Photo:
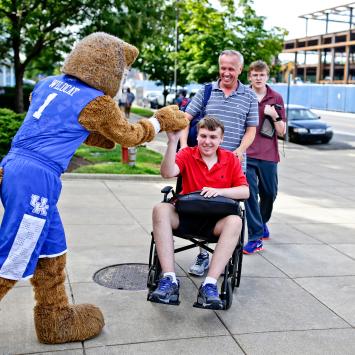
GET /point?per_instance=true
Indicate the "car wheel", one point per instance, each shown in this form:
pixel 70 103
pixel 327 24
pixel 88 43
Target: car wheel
pixel 325 140
pixel 291 137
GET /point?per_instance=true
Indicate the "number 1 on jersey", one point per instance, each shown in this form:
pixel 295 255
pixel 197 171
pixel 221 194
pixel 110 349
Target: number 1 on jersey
pixel 47 101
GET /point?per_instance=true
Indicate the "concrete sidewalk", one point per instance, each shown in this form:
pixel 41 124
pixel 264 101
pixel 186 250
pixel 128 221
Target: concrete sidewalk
pixel 296 297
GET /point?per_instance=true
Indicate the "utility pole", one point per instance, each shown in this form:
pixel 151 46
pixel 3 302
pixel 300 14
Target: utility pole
pixel 287 105
pixel 176 43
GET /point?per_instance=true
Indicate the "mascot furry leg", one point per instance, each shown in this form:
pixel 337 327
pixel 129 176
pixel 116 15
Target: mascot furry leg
pixel 5 286
pixel 55 320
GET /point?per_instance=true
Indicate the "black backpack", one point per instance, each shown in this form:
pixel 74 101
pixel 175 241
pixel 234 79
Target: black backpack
pixel 192 137
pixel 185 101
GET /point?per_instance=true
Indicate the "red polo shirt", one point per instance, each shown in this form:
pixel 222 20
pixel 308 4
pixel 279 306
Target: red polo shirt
pixel 227 172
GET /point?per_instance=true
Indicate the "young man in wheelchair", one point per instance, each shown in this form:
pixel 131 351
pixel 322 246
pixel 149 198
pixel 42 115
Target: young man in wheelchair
pixel 216 172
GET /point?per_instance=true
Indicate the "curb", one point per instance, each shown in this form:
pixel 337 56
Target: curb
pixel 117 177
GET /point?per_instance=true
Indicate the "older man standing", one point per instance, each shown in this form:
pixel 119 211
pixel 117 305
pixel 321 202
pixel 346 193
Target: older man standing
pixel 236 106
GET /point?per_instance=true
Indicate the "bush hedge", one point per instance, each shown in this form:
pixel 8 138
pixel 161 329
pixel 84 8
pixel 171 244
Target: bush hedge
pixel 10 122
pixel 7 97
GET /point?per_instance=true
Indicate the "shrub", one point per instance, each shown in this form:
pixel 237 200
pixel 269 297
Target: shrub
pixel 10 122
pixel 7 97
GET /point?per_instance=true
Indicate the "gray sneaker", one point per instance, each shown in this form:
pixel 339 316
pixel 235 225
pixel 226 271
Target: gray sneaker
pixel 201 264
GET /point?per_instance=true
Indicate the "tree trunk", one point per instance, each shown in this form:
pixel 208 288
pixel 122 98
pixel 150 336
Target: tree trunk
pixel 19 91
pixel 19 67
pixel 165 94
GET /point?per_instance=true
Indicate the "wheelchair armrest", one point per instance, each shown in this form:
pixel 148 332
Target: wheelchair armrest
pixel 166 190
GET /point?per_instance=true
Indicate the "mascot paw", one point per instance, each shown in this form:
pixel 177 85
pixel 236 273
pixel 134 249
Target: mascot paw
pixel 68 324
pixel 171 119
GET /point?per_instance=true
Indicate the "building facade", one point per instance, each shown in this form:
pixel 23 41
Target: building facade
pixel 329 57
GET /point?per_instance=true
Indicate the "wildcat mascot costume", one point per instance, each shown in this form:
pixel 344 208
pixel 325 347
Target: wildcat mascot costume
pixel 65 111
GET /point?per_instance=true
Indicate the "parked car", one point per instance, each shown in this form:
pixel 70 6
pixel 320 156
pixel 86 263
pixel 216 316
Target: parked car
pixel 172 94
pixel 304 126
pixel 151 97
pixel 170 98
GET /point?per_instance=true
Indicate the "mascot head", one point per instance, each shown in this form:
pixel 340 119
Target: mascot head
pixel 100 60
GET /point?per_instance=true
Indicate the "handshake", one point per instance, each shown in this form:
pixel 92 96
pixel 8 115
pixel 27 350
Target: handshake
pixel 171 119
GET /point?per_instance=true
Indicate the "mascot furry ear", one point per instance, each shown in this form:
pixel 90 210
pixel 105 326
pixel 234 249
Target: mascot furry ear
pixel 65 111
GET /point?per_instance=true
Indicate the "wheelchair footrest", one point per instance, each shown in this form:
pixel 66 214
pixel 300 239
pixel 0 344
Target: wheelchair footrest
pixel 209 306
pixel 158 300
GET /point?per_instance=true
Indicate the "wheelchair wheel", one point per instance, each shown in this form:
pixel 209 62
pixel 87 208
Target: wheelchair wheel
pixel 233 268
pixel 228 296
pixel 153 277
pixel 239 269
pixel 154 270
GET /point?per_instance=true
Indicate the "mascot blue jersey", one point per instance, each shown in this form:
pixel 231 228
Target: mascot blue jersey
pixel 51 126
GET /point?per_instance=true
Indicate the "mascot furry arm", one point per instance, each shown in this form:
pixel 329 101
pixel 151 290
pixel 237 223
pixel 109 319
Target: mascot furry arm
pixel 105 120
pixel 65 111
pixel 100 61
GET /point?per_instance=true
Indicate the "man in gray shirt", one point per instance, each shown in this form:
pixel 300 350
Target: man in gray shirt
pixel 234 104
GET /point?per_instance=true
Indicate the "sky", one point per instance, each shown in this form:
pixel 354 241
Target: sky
pixel 285 14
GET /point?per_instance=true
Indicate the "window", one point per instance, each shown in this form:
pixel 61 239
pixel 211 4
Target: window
pixel 301 114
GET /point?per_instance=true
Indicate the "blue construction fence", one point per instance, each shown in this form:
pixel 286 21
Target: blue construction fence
pixel 322 97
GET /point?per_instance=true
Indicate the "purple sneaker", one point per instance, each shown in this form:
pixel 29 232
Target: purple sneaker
pixel 266 233
pixel 253 246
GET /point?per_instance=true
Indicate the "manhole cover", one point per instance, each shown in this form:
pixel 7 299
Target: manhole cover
pixel 123 276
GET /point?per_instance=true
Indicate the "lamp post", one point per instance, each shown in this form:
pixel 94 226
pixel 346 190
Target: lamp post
pixel 176 44
pixel 287 104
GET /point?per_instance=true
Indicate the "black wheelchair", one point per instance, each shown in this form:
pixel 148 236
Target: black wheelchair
pixel 233 269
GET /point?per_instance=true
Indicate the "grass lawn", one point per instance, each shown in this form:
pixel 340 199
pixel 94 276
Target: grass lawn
pixel 109 161
pixel 144 112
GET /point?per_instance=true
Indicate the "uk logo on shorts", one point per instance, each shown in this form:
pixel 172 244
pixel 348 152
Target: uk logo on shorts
pixel 39 205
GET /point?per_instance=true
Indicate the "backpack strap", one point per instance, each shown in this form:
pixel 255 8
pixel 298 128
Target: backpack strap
pixel 206 96
pixel 192 137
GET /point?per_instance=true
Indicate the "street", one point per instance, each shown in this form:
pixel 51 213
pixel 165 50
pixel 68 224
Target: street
pixel 344 130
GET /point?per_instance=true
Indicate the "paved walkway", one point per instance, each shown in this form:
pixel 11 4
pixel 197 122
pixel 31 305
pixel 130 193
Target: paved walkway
pixel 296 297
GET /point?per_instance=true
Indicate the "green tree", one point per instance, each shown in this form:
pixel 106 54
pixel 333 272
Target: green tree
pixel 35 28
pixel 206 31
pixel 157 61
pixel 150 26
pixel 203 34
pixel 47 63
pixel 36 34
pixel 158 52
pixel 131 20
pixel 259 43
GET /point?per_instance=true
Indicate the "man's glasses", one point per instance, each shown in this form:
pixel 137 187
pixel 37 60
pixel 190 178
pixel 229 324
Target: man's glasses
pixel 257 75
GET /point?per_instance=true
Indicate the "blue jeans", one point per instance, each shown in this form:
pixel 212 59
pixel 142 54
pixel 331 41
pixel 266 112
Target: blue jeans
pixel 262 179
